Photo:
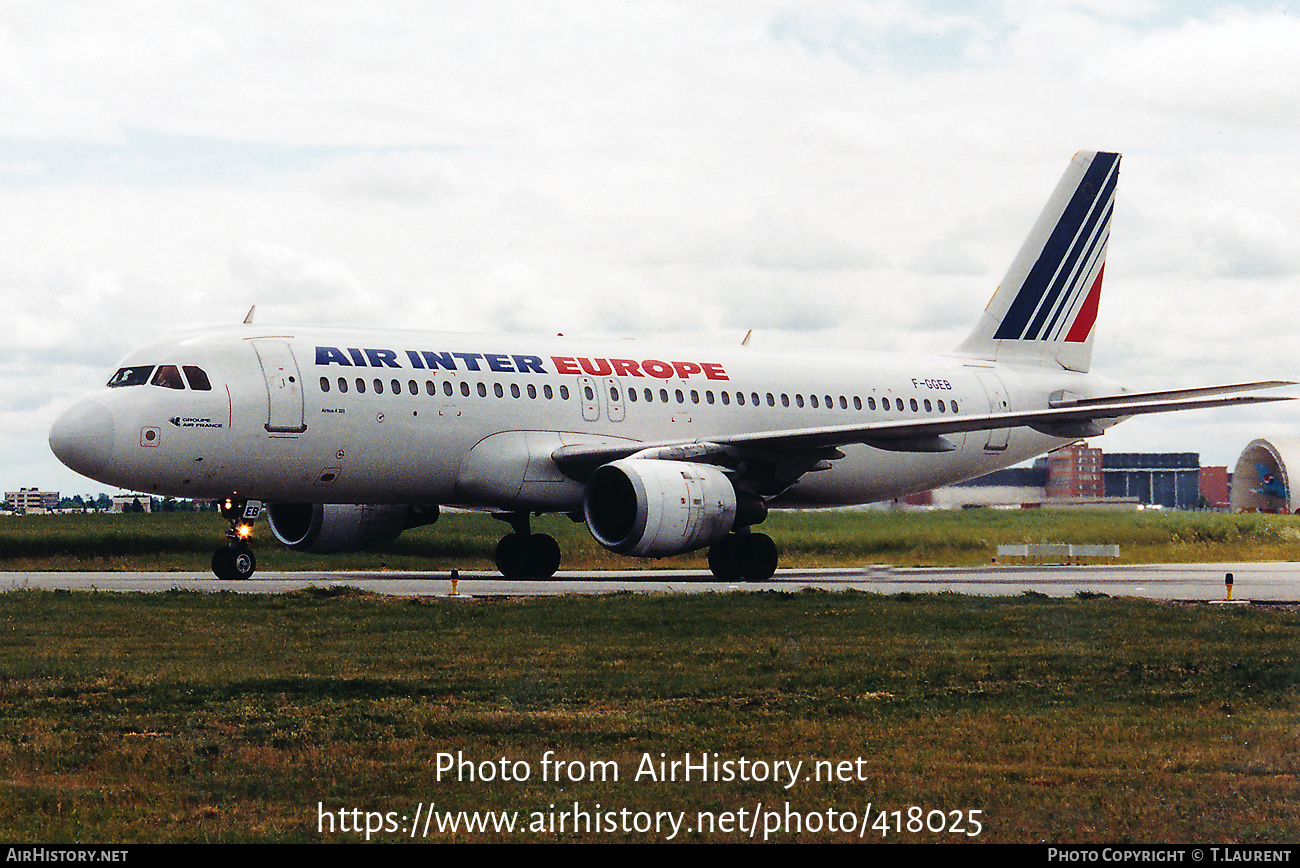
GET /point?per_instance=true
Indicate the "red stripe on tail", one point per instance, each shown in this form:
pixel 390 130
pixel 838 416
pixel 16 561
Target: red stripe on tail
pixel 1088 313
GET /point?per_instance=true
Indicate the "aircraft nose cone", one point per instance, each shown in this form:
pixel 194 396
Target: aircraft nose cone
pixel 82 438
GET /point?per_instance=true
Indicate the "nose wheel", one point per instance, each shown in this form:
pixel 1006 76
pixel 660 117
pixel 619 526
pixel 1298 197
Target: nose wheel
pixel 236 561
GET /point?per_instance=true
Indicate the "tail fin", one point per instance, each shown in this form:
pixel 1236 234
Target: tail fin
pixel 1045 307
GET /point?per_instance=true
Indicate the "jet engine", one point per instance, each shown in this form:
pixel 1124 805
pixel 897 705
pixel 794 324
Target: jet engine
pixel 343 527
pixel 654 508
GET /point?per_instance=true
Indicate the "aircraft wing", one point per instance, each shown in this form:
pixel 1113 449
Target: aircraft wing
pixel 801 449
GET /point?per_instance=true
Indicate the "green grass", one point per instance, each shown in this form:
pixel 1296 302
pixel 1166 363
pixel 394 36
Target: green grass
pixel 222 717
pixel 185 541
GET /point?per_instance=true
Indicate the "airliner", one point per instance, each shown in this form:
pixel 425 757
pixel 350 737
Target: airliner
pixel 346 437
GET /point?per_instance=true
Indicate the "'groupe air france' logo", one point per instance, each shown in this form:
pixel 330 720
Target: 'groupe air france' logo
pixel 1058 299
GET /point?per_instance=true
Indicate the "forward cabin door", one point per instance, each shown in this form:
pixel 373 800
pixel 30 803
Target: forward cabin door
pixel 284 398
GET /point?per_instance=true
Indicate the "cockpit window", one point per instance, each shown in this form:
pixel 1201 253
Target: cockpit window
pixel 137 376
pixel 169 377
pixel 198 378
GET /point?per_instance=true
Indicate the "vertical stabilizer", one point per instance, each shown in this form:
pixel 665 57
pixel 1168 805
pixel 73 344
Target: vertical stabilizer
pixel 1044 310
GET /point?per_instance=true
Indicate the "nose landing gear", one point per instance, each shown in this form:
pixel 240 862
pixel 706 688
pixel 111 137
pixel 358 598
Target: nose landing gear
pixel 236 561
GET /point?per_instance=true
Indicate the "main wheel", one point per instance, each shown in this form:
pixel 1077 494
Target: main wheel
pixel 534 555
pixel 724 558
pixel 750 556
pixel 543 555
pixel 758 557
pixel 511 557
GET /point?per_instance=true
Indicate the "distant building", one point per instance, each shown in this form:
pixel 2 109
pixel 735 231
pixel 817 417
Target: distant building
pixel 1012 486
pixel 128 503
pixel 1080 475
pixel 31 500
pixel 1214 483
pixel 1261 481
pixel 1168 479
pixel 1074 472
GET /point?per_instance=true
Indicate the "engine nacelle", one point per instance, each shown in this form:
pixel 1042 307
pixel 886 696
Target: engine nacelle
pixel 652 508
pixel 343 527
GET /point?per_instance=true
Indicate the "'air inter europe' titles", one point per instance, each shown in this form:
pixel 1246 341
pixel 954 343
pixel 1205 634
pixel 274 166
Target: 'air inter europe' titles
pixel 512 363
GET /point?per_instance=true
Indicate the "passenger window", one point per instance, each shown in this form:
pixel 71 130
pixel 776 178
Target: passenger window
pixel 547 392
pixel 361 386
pixel 857 403
pixel 397 387
pixel 785 400
pixel 324 384
pixel 497 390
pixel 343 385
pixel 564 393
pixel 532 391
pixel 812 400
pixel 414 389
pixel 464 389
pixel 199 379
pixel 137 376
pixel 429 388
pixel 482 390
pixel 379 386
pixel 514 390
pixel 726 398
pixel 169 377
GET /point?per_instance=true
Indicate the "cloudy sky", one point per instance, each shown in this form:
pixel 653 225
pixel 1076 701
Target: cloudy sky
pixel 856 174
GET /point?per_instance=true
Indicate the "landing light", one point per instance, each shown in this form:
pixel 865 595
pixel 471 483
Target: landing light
pixel 244 531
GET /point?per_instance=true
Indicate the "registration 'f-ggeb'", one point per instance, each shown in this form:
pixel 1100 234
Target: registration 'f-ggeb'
pixel 349 437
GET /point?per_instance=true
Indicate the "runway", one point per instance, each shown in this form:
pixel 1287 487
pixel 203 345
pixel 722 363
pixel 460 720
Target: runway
pixel 1264 583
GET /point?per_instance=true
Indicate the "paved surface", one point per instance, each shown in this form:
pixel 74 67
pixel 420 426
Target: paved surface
pixel 1272 582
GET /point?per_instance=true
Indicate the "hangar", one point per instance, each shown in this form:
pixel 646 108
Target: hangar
pixel 1261 481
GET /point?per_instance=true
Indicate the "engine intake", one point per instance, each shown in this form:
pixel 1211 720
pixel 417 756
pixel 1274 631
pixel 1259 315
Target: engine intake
pixel 343 527
pixel 653 508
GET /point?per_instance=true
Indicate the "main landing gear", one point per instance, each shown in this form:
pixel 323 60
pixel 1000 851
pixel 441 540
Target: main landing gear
pixel 523 554
pixel 235 561
pixel 743 555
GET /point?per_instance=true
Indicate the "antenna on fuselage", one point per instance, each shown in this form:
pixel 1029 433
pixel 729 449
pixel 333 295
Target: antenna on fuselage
pixel 248 320
pixel 745 341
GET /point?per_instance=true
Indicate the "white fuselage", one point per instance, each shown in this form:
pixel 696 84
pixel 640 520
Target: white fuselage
pixel 347 416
